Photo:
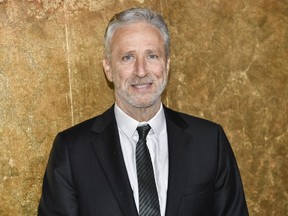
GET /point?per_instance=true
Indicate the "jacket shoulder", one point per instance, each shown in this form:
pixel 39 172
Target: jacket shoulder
pixel 84 128
pixel 186 120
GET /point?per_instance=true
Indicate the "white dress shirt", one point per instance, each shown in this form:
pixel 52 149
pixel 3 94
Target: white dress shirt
pixel 157 143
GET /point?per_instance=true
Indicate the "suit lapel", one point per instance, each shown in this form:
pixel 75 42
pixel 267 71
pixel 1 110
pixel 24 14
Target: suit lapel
pixel 106 145
pixel 179 145
pixel 108 151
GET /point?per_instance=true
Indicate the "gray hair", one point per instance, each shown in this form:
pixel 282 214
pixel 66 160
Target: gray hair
pixel 135 15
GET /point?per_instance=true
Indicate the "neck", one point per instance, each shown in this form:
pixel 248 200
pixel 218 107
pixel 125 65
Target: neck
pixel 140 114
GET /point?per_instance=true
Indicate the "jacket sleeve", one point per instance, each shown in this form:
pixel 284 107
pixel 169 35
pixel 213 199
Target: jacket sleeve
pixel 58 193
pixel 229 195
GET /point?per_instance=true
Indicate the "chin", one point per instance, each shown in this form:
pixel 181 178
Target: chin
pixel 143 104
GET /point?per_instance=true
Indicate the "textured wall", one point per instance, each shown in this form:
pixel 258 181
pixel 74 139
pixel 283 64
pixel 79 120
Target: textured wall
pixel 229 65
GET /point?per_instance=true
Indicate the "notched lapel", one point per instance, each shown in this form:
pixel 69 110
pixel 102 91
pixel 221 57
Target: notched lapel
pixel 109 154
pixel 179 147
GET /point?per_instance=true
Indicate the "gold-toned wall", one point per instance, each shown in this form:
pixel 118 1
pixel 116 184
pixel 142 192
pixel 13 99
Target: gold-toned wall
pixel 229 65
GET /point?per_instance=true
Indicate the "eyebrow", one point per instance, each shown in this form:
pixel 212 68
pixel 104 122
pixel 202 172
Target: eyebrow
pixel 153 51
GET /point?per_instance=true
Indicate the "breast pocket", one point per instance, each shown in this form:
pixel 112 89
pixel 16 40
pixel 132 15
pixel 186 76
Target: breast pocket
pixel 197 201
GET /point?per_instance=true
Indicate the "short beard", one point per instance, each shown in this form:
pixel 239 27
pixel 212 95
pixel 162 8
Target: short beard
pixel 134 99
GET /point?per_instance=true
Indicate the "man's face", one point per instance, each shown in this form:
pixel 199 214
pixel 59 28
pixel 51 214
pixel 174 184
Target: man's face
pixel 137 65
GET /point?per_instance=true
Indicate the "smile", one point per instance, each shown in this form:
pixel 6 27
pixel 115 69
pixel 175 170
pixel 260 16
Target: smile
pixel 142 86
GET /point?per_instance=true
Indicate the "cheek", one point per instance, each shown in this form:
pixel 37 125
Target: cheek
pixel 120 78
pixel 159 71
pixel 123 72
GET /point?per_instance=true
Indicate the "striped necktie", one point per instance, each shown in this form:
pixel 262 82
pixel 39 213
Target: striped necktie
pixel 148 196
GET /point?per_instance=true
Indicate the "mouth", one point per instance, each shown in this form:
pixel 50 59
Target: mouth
pixel 142 86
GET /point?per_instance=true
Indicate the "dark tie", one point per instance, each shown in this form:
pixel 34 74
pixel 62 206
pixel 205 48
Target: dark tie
pixel 148 196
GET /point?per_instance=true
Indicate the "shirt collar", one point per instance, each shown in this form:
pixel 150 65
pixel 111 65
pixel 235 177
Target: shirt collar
pixel 128 125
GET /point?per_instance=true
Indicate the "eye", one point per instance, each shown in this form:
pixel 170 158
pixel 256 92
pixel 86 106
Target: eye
pixel 153 56
pixel 127 57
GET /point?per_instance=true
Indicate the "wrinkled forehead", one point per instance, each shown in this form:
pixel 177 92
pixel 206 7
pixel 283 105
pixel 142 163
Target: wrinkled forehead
pixel 138 36
pixel 130 25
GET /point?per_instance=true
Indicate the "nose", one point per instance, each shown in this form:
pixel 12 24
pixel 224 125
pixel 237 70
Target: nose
pixel 140 67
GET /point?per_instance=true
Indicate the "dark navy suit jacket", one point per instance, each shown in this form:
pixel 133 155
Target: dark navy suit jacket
pixel 86 173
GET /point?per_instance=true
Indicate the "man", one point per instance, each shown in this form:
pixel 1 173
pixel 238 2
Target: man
pixel 101 166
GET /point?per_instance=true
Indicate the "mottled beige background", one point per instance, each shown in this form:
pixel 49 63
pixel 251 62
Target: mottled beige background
pixel 229 65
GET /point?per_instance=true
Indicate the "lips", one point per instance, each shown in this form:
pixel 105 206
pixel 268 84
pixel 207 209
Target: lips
pixel 142 86
pixel 143 83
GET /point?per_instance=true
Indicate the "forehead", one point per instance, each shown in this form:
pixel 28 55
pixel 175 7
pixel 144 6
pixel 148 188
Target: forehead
pixel 137 34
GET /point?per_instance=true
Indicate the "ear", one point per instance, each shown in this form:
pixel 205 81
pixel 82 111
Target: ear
pixel 108 69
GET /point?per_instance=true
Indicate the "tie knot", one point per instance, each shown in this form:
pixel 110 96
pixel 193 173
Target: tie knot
pixel 143 131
